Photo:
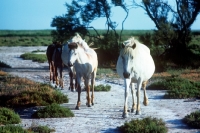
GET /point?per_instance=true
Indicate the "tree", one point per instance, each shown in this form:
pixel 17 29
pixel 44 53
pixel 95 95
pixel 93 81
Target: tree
pixel 79 15
pixel 172 34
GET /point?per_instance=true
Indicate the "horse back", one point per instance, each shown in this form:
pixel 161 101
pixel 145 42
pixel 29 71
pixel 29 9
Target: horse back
pixel 57 56
pixel 50 51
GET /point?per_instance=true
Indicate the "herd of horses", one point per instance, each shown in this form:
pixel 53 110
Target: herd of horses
pixel 134 65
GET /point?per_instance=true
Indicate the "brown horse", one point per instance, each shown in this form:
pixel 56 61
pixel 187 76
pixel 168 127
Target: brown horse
pixel 53 53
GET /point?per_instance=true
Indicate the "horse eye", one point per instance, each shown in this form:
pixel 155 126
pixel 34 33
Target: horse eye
pixel 131 57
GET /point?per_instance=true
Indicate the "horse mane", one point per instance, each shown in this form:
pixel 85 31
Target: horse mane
pixel 134 45
pixel 81 43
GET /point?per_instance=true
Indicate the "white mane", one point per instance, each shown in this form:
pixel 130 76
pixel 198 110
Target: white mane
pixel 77 39
pixel 132 41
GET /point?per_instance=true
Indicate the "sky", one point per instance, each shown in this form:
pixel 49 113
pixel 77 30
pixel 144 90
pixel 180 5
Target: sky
pixel 38 15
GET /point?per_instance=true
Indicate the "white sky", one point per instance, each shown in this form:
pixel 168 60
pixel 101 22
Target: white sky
pixel 38 14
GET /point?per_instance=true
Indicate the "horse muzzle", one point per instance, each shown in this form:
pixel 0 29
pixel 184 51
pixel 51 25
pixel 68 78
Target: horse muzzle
pixel 70 64
pixel 126 75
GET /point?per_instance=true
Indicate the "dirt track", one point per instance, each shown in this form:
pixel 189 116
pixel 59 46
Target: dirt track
pixel 106 114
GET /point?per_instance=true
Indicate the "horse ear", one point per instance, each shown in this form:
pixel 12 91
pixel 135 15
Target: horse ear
pixel 134 45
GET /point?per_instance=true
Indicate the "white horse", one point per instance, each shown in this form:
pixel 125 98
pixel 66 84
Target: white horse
pixel 72 73
pixel 135 65
pixel 84 60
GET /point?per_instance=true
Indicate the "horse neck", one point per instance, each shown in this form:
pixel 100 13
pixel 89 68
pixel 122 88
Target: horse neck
pixel 84 44
pixel 82 56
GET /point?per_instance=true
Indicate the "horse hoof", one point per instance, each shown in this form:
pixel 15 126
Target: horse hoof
pixel 125 115
pixel 138 113
pixel 77 108
pixel 146 103
pixel 92 104
pixel 132 110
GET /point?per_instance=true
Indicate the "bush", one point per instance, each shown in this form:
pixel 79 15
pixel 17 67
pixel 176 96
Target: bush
pixel 12 129
pixel 178 87
pixel 21 92
pixel 146 125
pixel 8 116
pixel 102 88
pixel 193 119
pixel 41 129
pixel 41 58
pixel 38 97
pixel 53 111
pixel 2 64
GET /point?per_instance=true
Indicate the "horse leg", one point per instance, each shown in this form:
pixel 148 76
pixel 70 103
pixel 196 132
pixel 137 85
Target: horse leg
pixel 139 85
pixel 51 69
pixel 56 76
pixel 133 98
pixel 88 92
pixel 127 84
pixel 61 77
pixel 145 102
pixel 71 81
pixel 79 94
pixel 92 84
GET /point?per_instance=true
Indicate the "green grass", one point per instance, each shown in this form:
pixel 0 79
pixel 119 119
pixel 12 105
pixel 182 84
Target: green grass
pixel 193 119
pixel 177 87
pixel 53 111
pixel 41 58
pixel 8 116
pixel 146 125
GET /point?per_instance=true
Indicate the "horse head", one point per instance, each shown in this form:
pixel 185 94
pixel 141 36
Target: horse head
pixel 73 55
pixel 127 56
pixel 129 43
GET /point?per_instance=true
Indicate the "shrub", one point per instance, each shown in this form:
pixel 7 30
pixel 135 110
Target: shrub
pixel 193 119
pixel 102 88
pixel 178 87
pixel 146 125
pixel 53 111
pixel 21 92
pixel 42 96
pixel 2 64
pixel 41 129
pixel 2 73
pixel 12 129
pixel 41 58
pixel 8 116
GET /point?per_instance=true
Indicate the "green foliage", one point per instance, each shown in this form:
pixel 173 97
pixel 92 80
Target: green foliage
pixel 41 97
pixel 41 129
pixel 193 119
pixel 2 64
pixel 173 34
pixel 12 129
pixel 21 92
pixel 41 58
pixel 102 88
pixel 146 125
pixel 177 87
pixel 8 116
pixel 53 111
